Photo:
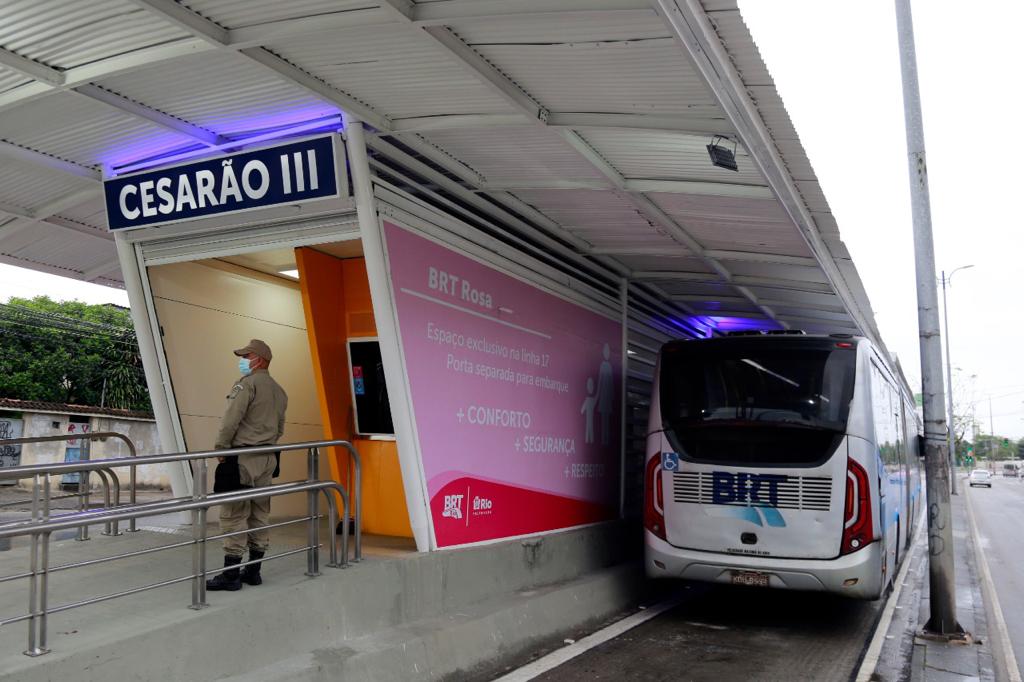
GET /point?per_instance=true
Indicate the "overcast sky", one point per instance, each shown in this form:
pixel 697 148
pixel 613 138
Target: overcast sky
pixel 836 65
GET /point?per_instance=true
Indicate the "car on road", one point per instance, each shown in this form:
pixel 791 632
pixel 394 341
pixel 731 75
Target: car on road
pixel 980 477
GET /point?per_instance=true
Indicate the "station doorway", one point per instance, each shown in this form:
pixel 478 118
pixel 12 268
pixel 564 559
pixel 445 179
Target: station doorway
pixel 311 304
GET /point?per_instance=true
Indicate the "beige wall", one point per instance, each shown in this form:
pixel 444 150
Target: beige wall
pixel 208 308
pixel 141 432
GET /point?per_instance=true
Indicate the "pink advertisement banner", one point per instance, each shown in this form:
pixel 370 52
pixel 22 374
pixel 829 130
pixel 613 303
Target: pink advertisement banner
pixel 516 395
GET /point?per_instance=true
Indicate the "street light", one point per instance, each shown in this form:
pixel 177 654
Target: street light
pixel 949 381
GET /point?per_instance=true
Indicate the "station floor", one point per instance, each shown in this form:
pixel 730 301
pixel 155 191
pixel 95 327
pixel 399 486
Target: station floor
pixel 97 580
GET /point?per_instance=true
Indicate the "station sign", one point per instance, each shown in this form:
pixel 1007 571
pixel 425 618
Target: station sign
pixel 283 174
pixel 516 396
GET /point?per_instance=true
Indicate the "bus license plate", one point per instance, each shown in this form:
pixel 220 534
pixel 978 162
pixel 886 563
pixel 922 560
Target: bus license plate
pixel 750 578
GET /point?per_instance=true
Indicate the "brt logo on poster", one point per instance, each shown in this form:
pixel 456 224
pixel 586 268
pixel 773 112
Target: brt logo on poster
pixel 516 393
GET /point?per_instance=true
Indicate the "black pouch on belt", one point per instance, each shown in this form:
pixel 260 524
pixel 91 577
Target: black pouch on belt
pixel 226 476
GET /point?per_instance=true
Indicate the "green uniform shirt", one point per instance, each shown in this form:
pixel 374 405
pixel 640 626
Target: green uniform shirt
pixel 255 412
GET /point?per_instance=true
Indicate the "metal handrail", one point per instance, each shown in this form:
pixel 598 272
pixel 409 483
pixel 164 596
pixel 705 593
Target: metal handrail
pixel 43 525
pixel 83 491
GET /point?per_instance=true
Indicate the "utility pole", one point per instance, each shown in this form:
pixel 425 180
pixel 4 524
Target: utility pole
pixel 949 382
pixel 942 596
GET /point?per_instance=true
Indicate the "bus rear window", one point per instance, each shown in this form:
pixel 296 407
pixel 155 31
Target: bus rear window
pixel 756 401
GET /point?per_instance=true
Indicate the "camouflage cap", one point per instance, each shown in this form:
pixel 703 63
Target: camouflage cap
pixel 258 347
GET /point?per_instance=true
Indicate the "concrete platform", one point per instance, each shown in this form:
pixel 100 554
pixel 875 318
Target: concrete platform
pixel 398 615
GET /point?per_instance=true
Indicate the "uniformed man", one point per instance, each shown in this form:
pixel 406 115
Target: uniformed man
pixel 254 416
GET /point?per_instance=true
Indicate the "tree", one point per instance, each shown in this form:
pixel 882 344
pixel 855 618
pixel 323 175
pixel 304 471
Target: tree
pixel 70 352
pixel 963 407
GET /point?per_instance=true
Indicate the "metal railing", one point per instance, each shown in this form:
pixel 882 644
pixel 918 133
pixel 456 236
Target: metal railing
pixel 83 485
pixel 40 527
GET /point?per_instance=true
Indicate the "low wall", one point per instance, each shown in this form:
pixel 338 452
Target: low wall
pixel 413 617
pixel 142 433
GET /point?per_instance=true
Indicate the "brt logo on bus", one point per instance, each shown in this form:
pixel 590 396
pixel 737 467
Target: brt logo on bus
pixel 757 493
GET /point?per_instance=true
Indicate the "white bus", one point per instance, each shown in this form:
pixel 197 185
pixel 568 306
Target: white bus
pixel 780 460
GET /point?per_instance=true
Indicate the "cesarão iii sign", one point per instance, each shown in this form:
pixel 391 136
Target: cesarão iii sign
pixel 283 174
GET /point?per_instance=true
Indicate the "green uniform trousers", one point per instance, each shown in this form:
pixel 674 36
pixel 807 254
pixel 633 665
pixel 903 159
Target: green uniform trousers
pixel 254 515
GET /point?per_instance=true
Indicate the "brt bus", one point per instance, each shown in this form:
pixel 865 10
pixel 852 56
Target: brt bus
pixel 781 460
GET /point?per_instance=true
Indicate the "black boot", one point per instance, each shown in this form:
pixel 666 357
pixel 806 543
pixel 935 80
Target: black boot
pixel 229 580
pixel 251 573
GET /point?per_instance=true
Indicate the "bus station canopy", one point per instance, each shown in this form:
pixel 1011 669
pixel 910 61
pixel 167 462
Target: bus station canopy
pixel 580 125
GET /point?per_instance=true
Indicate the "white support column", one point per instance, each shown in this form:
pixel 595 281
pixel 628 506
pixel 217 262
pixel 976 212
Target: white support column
pixel 416 497
pixel 181 477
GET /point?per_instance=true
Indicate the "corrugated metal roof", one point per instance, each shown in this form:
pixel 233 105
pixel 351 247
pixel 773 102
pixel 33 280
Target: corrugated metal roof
pixel 586 68
pixel 53 245
pixel 550 28
pixel 758 225
pixel 398 72
pixel 65 34
pixel 668 156
pixel 239 13
pixel 29 187
pixel 222 91
pixel 603 219
pixel 11 79
pixel 637 76
pixel 92 213
pixel 515 154
pixel 76 128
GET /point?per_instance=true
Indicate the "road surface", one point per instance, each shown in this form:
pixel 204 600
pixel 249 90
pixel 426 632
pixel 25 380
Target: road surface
pixel 999 514
pixel 722 633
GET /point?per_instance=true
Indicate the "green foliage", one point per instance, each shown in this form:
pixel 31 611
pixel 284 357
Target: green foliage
pixel 70 352
pixel 995 448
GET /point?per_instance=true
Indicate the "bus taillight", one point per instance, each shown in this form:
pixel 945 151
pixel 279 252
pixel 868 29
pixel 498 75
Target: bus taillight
pixel 857 517
pixel 654 502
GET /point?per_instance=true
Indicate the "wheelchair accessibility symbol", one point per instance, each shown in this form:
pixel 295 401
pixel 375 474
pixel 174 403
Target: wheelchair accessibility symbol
pixel 670 461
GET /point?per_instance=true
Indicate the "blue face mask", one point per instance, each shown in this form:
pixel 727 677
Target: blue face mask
pixel 243 366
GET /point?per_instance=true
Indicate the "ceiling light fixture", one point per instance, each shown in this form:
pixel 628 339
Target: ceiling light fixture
pixel 294 274
pixel 723 157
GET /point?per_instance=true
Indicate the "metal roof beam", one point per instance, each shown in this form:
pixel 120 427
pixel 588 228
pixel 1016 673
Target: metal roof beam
pixel 30 68
pixel 104 68
pixel 219 37
pixel 67 201
pixel 653 122
pixel 15 212
pixel 104 268
pixel 50 162
pixel 693 127
pixel 763 282
pixel 185 19
pixel 755 257
pixel 490 76
pixel 133 108
pixel 796 305
pixel 261 34
pixel 641 186
pixel 465 10
pixel 626 250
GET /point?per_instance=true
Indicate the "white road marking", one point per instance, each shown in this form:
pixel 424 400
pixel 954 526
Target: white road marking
pixel 988 589
pixel 870 660
pixel 557 658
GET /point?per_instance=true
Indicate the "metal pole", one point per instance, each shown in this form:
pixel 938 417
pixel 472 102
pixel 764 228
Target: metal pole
pixel 313 500
pixel 949 395
pixel 940 527
pixel 33 585
pixel 199 539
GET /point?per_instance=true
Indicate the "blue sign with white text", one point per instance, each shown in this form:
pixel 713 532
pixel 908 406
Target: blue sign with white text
pixel 284 174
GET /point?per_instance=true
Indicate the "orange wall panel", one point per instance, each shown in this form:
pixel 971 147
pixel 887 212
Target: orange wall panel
pixel 336 299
